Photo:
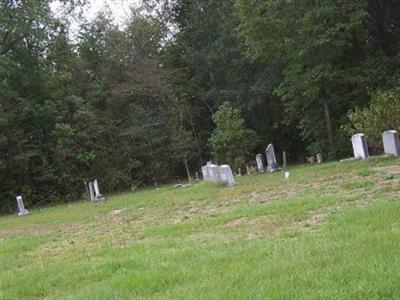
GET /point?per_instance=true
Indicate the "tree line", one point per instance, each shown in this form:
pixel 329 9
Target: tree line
pixel 186 81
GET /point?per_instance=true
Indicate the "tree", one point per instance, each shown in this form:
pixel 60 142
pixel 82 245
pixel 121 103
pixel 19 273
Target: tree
pixel 231 142
pixel 382 114
pixel 321 46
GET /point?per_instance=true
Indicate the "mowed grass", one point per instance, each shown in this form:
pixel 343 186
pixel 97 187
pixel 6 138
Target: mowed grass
pixel 331 231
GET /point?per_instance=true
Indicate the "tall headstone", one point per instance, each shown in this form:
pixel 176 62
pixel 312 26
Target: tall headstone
pixel 22 211
pixel 272 165
pixel 226 175
pixel 391 143
pixel 320 158
pixel 360 147
pixel 260 163
pixel 91 191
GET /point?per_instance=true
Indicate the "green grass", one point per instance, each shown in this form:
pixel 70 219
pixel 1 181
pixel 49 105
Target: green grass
pixel 331 231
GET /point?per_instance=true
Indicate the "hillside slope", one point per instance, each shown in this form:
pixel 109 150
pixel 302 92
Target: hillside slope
pixel 330 231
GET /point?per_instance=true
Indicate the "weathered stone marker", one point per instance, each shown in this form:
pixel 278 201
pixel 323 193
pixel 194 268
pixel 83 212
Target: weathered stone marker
pixel 226 175
pixel 360 147
pixel 260 163
pixel 91 191
pixel 271 158
pixel 214 173
pixel 320 158
pixel 22 211
pixel 94 191
pixel 391 143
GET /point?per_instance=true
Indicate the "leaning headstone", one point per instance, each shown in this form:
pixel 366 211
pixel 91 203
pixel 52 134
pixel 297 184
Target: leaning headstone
pixel 98 196
pixel 360 147
pixel 272 165
pixel 22 211
pixel 320 158
pixel 391 143
pixel 226 175
pixel 260 163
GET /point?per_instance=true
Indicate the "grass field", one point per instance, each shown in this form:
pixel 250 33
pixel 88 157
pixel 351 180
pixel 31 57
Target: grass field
pixel 331 231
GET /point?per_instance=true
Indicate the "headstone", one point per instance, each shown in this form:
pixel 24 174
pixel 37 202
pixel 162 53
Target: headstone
pixel 311 159
pixel 91 191
pixel 226 175
pixel 260 163
pixel 286 174
pixel 205 173
pixel 213 172
pixel 360 147
pixel 87 189
pixel 239 171
pixel 391 143
pixel 96 188
pixel 94 191
pixel 320 158
pixel 271 158
pixel 22 211
pixel 248 170
pixel 216 173
pixel 197 176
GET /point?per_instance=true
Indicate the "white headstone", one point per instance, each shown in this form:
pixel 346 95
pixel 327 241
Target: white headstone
pixel 360 147
pixel 216 173
pixel 210 171
pixel 22 211
pixel 260 163
pixel 213 172
pixel 226 175
pixel 320 158
pixel 391 143
pixel 96 188
pixel 271 158
pixel 91 191
pixel 204 172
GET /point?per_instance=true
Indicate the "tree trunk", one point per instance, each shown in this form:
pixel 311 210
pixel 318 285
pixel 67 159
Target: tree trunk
pixel 328 119
pixel 187 169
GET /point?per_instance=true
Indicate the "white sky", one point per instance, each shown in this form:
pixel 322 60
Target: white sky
pixel 119 9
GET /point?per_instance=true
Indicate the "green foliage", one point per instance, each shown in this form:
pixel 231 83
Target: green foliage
pixel 382 114
pixel 231 142
pixel 130 105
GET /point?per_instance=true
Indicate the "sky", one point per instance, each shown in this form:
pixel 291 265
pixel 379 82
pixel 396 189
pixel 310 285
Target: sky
pixel 118 8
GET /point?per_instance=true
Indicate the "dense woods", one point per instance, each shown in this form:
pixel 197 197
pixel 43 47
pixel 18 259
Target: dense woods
pixel 187 80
